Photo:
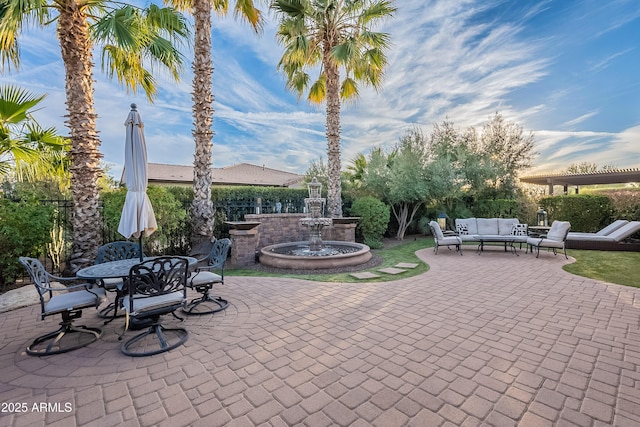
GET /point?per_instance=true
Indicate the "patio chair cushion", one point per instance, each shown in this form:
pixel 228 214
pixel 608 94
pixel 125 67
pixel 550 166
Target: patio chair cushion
pixel 148 304
pixel 203 277
pixel 545 243
pixel 559 230
pixel 77 300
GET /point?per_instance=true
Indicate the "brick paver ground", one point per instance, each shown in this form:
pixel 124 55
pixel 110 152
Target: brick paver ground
pixel 489 339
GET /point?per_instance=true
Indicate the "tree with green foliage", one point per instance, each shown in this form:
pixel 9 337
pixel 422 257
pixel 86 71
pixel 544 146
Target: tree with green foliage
pixel 511 151
pixel 27 151
pixel 24 231
pixel 332 34
pixel 406 178
pixel 317 169
pixel 133 40
pixel 169 212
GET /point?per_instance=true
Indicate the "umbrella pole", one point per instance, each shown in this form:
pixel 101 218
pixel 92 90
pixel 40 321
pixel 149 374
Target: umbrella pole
pixel 140 247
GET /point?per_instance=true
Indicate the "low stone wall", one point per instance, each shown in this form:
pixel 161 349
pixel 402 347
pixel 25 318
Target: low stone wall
pixel 279 228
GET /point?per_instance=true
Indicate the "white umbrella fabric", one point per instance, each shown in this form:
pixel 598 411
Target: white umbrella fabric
pixel 137 217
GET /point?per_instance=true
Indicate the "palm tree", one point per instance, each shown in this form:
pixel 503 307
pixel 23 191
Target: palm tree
pixel 132 38
pixel 333 34
pixel 26 148
pixel 202 208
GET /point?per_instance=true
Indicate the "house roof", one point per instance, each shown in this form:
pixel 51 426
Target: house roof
pixel 239 174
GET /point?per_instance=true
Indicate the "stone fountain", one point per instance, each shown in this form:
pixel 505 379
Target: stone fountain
pixel 315 254
pixel 314 205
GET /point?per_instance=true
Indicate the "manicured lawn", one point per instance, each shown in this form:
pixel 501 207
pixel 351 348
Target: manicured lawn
pixel 622 268
pixel 396 253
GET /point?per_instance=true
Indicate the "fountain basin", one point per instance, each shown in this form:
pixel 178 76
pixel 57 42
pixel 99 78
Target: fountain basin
pixel 296 255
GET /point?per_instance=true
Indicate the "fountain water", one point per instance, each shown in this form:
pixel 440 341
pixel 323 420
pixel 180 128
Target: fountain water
pixel 315 254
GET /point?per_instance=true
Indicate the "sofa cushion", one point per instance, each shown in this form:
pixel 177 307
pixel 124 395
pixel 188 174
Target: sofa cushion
pixel 487 226
pixel 505 225
pixel 472 228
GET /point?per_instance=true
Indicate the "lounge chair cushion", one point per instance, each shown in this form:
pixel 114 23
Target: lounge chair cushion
pixel 615 237
pixel 604 232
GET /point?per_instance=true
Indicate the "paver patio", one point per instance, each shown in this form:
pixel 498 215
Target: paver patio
pixel 477 340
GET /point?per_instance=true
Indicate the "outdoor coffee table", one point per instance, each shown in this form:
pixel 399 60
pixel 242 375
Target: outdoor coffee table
pixel 507 240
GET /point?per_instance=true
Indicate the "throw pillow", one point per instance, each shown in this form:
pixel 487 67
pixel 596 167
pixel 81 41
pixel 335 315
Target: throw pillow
pixel 462 229
pixel 519 229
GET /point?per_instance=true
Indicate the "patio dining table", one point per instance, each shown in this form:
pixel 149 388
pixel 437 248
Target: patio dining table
pixel 119 268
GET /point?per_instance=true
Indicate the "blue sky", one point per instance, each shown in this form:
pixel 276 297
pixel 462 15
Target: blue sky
pixel 567 70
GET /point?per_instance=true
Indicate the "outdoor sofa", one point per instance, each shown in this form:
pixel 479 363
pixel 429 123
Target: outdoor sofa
pixel 491 229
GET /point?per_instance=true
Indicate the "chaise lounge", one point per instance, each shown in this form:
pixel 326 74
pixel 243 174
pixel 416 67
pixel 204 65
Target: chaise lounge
pixel 613 240
pixel 604 232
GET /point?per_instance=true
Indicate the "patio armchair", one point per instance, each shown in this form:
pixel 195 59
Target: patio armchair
pixel 442 240
pixel 155 287
pixel 115 251
pixel 203 279
pixel 556 238
pixel 69 303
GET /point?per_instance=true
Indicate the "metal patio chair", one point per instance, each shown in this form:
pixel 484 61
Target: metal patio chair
pixel 69 303
pixel 115 251
pixel 155 287
pixel 203 279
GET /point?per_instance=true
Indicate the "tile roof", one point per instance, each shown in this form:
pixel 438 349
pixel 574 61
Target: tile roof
pixel 239 174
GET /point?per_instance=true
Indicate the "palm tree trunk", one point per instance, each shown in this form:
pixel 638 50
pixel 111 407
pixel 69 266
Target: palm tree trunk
pixel 334 192
pixel 73 32
pixel 202 207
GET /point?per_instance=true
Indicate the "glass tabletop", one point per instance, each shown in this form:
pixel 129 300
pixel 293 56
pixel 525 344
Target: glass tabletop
pixel 120 268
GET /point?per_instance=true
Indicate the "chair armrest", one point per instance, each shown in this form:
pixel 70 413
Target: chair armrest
pixel 62 280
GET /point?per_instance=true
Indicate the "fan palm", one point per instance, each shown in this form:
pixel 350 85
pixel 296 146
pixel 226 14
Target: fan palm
pixel 131 40
pixel 332 34
pixel 24 145
pixel 202 207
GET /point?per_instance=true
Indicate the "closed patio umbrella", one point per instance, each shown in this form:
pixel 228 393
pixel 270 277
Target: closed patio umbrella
pixel 137 218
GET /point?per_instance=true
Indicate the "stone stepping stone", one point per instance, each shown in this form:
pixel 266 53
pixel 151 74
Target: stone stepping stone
pixel 365 275
pixel 406 265
pixel 392 270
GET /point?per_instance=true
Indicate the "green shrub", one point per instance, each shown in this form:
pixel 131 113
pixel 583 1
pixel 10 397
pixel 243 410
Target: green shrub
pixel 24 231
pixel 495 208
pixel 171 217
pixel 626 203
pixel 374 218
pixel 585 212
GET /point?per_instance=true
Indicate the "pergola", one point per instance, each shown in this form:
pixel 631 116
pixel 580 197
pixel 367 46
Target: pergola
pixel 614 176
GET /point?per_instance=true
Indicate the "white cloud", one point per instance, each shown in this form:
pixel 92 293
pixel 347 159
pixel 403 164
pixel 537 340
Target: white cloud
pixel 457 59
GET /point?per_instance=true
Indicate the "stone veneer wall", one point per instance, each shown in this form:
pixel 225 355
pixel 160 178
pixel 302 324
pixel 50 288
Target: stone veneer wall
pixel 283 228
